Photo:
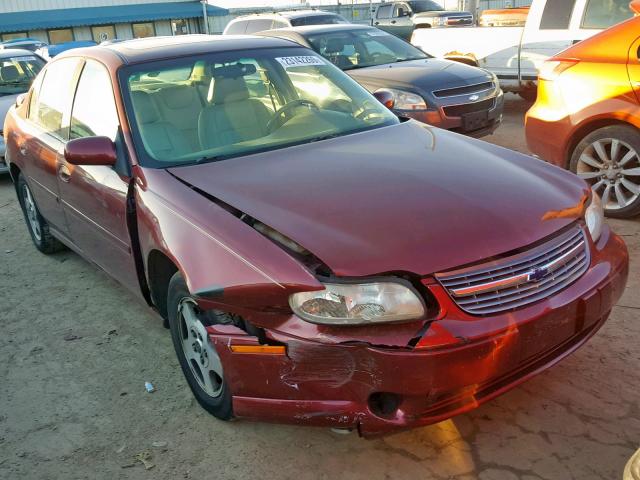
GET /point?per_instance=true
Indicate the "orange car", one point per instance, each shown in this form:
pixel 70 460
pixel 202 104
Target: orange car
pixel 587 115
pixel 504 17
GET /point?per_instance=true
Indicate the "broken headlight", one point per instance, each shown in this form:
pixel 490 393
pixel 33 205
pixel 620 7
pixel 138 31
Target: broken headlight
pixel 358 303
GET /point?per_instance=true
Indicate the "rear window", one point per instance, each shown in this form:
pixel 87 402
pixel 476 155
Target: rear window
pixel 600 15
pixel 557 14
pixel 237 28
pixel 259 25
pixel 329 19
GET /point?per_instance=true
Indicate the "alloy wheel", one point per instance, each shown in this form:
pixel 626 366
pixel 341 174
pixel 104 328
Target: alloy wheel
pixel 200 354
pixel 612 167
pixel 32 212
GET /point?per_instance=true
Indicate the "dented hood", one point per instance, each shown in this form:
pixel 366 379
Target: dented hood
pixel 406 197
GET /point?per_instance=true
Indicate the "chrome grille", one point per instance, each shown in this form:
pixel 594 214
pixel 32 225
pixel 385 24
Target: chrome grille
pixel 521 279
pixel 465 90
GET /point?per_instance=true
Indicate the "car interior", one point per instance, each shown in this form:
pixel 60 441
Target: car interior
pixel 212 107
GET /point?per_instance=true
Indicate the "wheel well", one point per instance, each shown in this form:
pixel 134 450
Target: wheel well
pixel 585 130
pixel 160 269
pixel 14 171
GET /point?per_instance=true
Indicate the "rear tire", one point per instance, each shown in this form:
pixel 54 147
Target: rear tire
pixel 530 94
pixel 198 358
pixel 36 224
pixel 609 160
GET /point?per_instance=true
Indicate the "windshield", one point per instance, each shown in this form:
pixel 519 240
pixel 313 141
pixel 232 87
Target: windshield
pixel 420 6
pixel 329 19
pixel 363 48
pixel 17 73
pixel 242 102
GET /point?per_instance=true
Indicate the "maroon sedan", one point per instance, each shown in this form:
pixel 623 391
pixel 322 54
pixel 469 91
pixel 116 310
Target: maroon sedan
pixel 317 260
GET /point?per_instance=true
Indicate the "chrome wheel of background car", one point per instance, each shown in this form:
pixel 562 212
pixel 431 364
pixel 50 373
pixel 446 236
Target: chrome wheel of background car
pixel 612 167
pixel 32 212
pixel 198 351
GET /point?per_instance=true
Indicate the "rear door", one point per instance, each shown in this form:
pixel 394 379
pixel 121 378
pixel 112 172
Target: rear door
pixel 44 136
pixel 384 15
pixel 94 197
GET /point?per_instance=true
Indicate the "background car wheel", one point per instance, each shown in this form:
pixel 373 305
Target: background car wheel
pixel 609 160
pixel 37 226
pixel 198 358
pixel 530 94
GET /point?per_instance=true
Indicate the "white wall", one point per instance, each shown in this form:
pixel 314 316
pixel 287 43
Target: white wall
pixel 7 6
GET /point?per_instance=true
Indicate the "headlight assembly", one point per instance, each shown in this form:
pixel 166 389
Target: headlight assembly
pixel 594 217
pixel 403 100
pixel 358 303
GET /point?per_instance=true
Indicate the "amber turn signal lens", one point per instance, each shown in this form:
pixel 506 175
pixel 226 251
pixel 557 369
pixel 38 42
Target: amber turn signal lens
pixel 263 349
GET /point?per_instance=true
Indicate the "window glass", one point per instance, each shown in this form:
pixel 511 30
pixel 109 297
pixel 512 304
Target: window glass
pixel 313 99
pixel 279 24
pixel 420 6
pixel 142 30
pixel 33 101
pixel 384 11
pixel 102 33
pixel 605 13
pixel 237 28
pixel 17 73
pixel 329 19
pixel 60 36
pixel 13 36
pixel 557 15
pixel 258 25
pixel 179 27
pixel 401 10
pixel 94 110
pixel 363 48
pixel 54 97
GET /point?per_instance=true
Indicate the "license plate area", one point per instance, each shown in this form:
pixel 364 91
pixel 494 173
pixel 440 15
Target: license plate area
pixel 475 121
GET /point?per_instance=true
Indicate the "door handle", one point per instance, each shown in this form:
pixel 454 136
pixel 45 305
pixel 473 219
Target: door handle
pixel 393 22
pixel 376 23
pixel 64 174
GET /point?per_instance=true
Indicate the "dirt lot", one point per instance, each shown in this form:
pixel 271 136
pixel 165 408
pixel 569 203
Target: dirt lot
pixel 76 350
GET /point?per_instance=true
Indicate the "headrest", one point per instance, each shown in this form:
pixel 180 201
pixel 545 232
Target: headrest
pixel 235 70
pixel 146 110
pixel 9 73
pixel 227 90
pixel 178 97
pixel 334 45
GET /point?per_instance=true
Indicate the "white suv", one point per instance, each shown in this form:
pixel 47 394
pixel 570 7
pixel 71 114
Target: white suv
pixel 249 24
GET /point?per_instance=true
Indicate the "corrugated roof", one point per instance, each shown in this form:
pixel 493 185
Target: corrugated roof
pixel 75 17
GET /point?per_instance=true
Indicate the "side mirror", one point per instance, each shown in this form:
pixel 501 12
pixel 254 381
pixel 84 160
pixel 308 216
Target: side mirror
pixel 635 7
pixel 91 151
pixel 20 99
pixel 386 98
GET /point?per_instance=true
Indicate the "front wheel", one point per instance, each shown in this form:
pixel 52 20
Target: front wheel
pixel 529 94
pixel 199 360
pixel 608 159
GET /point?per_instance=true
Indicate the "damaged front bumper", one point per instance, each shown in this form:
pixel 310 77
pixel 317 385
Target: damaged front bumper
pixel 460 363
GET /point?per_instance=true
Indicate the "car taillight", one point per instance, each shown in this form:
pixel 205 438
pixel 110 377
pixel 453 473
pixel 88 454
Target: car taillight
pixel 552 69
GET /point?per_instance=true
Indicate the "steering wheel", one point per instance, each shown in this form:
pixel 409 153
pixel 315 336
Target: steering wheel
pixel 280 115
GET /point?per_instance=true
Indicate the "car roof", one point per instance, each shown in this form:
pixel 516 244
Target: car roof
pixel 314 29
pixel 162 48
pixel 289 14
pixel 15 52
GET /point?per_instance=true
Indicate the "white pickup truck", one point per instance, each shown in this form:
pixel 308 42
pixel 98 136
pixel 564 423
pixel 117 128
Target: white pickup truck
pixel 515 54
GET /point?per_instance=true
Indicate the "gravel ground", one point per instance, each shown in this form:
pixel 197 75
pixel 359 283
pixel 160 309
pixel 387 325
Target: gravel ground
pixel 76 350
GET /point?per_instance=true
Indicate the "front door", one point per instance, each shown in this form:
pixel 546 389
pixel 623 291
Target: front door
pixel 94 197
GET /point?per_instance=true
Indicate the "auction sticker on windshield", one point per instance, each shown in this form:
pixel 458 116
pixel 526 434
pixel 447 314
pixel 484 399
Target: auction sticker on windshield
pixel 302 61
